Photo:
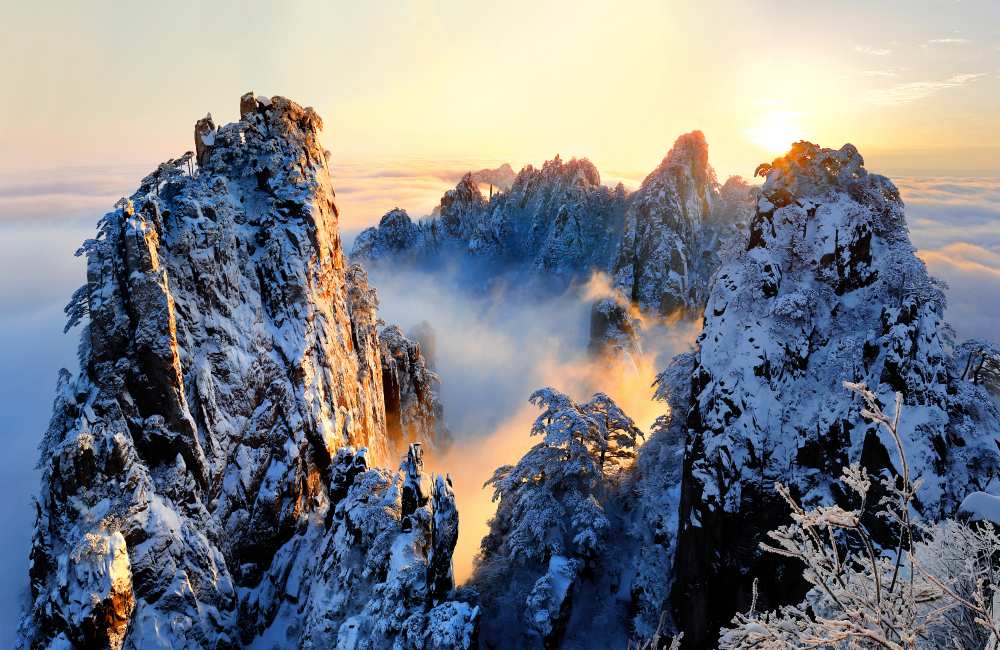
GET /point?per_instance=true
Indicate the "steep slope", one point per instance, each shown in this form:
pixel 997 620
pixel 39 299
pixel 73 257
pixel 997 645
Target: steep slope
pixel 209 478
pixel 828 289
pixel 410 390
pixel 412 405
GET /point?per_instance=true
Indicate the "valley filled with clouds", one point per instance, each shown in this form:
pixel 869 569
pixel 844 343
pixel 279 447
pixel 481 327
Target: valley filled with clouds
pixel 497 346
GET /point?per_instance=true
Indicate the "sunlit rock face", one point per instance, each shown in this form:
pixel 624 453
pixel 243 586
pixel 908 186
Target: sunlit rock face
pixel 412 403
pixel 827 289
pixel 213 475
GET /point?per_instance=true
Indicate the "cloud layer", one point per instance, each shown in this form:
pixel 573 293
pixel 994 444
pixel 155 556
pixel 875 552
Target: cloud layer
pixel 955 226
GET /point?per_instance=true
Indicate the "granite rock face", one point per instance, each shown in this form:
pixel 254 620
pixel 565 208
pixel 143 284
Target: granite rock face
pixel 215 474
pixel 827 289
pixel 412 405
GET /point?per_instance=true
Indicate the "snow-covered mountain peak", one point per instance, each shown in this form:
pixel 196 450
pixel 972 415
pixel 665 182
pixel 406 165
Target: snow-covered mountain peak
pixel 209 477
pixel 827 289
pixel 810 170
pixel 578 171
pixel 458 206
pixel 689 153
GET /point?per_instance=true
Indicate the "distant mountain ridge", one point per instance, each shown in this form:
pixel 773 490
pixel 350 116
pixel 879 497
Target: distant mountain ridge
pixel 558 224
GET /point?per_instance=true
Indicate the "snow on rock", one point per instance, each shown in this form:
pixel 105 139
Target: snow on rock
pixel 550 226
pixel 827 289
pixel 558 224
pixel 98 588
pixel 448 626
pixel 675 225
pixel 980 506
pixel 211 478
pixel 412 404
pixel 548 601
pixel 396 237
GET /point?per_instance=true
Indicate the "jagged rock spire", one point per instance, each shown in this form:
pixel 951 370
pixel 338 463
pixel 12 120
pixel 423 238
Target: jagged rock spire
pixel 827 289
pixel 224 435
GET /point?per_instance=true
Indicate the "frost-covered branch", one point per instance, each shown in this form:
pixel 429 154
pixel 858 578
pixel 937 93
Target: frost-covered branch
pixel 935 589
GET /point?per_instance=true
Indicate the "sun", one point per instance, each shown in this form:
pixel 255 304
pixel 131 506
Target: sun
pixel 775 131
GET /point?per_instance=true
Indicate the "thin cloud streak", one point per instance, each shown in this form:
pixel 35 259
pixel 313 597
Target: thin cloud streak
pixel 873 51
pixel 912 91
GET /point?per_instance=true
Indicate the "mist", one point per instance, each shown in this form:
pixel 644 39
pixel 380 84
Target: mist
pixel 492 350
pixel 40 272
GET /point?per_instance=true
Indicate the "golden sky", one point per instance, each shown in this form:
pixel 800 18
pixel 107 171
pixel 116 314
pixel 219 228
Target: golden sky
pixel 915 85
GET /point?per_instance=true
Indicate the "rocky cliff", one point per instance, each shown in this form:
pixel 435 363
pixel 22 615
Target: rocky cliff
pixel 213 476
pixel 413 409
pixel 558 224
pixel 827 289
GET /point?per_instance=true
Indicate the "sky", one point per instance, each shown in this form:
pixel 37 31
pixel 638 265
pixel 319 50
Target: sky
pixel 915 85
pixel 414 94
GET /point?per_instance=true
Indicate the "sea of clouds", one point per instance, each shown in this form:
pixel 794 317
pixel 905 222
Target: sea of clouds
pixel 491 350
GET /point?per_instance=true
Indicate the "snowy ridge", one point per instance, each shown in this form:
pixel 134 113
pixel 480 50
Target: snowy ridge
pixel 558 220
pixel 660 245
pixel 828 289
pixel 209 478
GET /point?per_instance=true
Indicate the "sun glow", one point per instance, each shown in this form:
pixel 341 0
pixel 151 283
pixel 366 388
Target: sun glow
pixel 775 131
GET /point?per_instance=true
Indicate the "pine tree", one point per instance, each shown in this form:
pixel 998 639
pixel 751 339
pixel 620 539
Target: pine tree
pixel 551 501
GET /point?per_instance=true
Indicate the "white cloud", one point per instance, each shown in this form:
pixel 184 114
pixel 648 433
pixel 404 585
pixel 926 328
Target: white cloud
pixel 911 91
pixel 955 225
pixel 873 51
pixel 973 277
pixel 949 41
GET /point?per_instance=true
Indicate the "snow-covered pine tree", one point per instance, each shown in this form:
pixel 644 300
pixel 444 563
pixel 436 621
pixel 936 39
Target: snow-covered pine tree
pixel 553 516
